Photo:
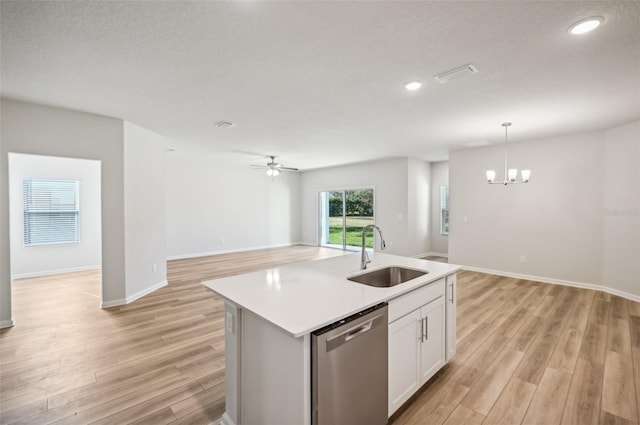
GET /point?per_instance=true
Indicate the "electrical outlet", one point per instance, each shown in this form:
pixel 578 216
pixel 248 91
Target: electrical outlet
pixel 155 268
pixel 523 259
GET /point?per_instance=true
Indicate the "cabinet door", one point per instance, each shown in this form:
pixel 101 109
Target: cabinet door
pixel 433 338
pixel 450 304
pixel 404 358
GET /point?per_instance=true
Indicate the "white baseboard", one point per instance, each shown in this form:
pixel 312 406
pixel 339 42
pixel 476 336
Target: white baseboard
pixel 307 244
pixel 226 420
pixel 146 291
pixel 7 324
pixel 431 254
pixel 583 285
pixel 51 272
pixel 230 251
pixel 113 303
pixel 132 298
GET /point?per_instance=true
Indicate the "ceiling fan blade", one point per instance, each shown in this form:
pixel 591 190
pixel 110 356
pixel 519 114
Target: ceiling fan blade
pixel 273 165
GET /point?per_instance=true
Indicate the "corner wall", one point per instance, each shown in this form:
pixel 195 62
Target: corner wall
pixel 561 221
pixel 132 192
pixel 418 206
pixel 621 212
pixel 144 211
pixel 439 177
pixel 41 130
pixel 401 200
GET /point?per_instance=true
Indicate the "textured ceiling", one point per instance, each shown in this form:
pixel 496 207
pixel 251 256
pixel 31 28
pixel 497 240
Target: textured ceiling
pixel 320 83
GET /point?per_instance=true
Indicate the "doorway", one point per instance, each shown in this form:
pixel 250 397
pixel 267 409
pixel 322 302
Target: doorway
pixel 55 229
pixel 343 215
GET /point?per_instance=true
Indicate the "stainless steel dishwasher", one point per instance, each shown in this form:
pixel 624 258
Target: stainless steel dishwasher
pixel 349 378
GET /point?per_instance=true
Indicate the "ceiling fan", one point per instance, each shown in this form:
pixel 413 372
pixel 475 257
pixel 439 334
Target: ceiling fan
pixel 273 168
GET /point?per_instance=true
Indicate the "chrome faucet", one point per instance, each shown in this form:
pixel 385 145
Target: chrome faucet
pixel 364 260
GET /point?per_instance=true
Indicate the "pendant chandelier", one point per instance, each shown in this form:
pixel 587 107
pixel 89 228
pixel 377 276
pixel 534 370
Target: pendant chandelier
pixel 510 174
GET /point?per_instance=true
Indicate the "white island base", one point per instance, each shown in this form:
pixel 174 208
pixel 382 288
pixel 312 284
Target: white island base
pixel 268 372
pixel 269 317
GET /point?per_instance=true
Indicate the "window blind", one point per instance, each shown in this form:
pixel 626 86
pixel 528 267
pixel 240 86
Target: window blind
pixel 51 211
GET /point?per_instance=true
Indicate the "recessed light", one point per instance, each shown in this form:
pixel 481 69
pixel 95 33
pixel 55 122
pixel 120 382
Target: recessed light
pixel 413 85
pixel 585 25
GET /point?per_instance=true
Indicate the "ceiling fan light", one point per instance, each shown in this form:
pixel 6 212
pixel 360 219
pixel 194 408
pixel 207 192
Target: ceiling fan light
pixel 272 172
pixel 585 25
pixel 491 176
pixel 413 85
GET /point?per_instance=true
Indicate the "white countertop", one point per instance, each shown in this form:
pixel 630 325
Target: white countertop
pixel 303 297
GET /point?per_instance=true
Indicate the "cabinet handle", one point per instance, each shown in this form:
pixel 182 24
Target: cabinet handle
pixel 426 328
pixel 452 292
pixel 421 331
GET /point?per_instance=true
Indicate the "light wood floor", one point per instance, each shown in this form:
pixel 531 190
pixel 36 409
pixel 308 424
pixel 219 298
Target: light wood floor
pixel 527 352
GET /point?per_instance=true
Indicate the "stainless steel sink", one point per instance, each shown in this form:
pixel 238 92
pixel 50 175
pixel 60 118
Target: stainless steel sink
pixel 386 277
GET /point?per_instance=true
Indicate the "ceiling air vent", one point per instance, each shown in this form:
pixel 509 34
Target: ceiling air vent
pixel 456 72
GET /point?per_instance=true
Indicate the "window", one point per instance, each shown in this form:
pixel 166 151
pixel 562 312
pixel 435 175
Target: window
pixel 444 210
pixel 50 211
pixel 343 215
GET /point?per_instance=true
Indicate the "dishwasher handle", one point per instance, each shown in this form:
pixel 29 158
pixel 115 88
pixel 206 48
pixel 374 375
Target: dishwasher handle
pixel 349 334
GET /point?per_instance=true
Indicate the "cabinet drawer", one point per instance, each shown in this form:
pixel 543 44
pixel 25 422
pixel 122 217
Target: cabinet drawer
pixel 410 301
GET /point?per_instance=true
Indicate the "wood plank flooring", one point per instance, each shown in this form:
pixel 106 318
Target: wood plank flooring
pixel 528 352
pixel 158 360
pixel 535 353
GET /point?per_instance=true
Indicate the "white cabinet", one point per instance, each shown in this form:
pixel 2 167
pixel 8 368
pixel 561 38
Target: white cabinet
pixel 404 357
pixel 450 307
pixel 432 345
pixel 416 341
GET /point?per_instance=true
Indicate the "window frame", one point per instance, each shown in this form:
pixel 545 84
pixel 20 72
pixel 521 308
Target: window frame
pixel 444 210
pixel 323 227
pixel 31 212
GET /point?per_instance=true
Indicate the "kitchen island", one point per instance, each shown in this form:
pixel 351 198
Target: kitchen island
pixel 270 315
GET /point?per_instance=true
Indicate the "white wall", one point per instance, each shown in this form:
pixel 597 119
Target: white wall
pixel 390 179
pixel 36 129
pixel 214 207
pixel 418 202
pixel 5 258
pixel 439 177
pixel 145 211
pixel 621 227
pixel 556 220
pixel 37 260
